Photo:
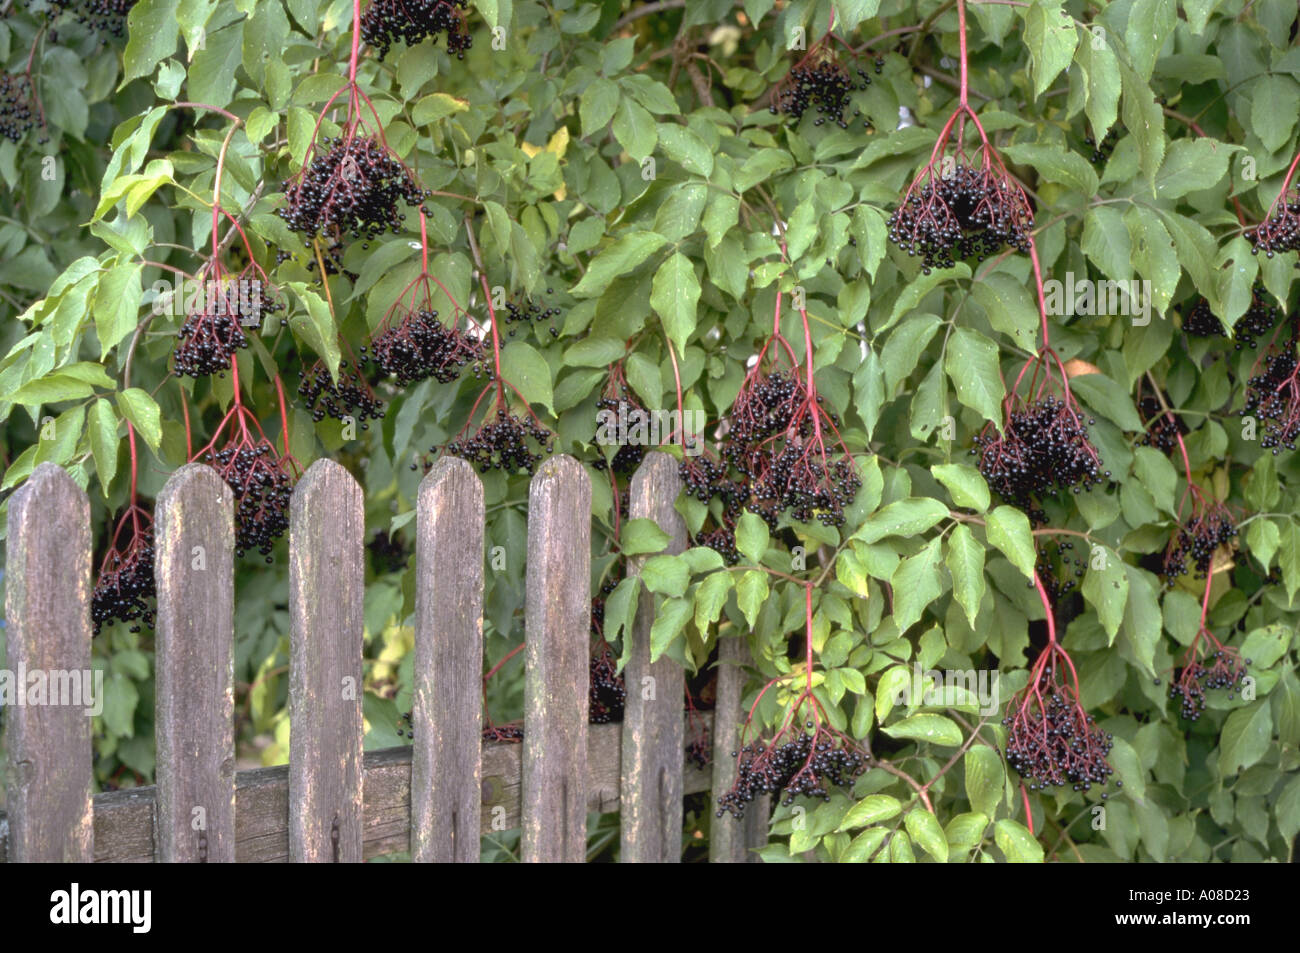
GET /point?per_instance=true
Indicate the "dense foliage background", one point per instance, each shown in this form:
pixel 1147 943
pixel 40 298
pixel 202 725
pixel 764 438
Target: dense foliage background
pixel 616 165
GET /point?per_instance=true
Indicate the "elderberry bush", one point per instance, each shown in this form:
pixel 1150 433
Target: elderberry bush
pixel 420 346
pixel 1044 450
pixel 386 22
pixel 972 213
pixel 351 188
pixel 505 444
pixel 262 490
pixel 809 765
pixel 18 111
pixel 827 87
pixel 350 397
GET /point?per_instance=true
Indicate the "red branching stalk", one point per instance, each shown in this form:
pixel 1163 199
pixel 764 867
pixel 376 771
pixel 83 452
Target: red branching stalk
pixel 1279 232
pixel 125 579
pixel 1207 664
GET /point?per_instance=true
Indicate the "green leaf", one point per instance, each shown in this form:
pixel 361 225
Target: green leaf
pixel 1055 164
pixel 667 575
pixel 1274 108
pixel 1154 255
pixel 1108 400
pixel 936 729
pixel 153 32
pixel 212 70
pixel 117 304
pixel 620 607
pixel 710 597
pixel 1192 165
pixel 899 356
pixel 985 779
pixel 597 104
pixel 641 536
pixel 635 129
pixel 437 106
pixel 751 593
pixel 686 149
pixel 964 483
pixel 870 810
pixel 1016 843
pixel 1245 737
pixel 619 259
pixel 669 621
pixel 909 517
pixel 527 370
pixel 1008 529
pixel 1106 241
pixel 1051 37
pixel 1099 62
pixel 1143 118
pixel 965 830
pixel 916 584
pixel 1128 766
pixel 1150 22
pixel 761 166
pixel 1106 590
pixel 966 563
pixel 138 407
pixel 972 365
pixel 674 295
pixel 924 829
pixel 1009 307
pixel 869 390
pixel 318 329
pixel 752 537
pixel 102 428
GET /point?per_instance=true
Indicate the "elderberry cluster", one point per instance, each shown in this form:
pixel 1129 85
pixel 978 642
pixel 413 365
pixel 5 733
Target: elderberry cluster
pixel 607 688
pixel 1045 567
pixel 124 586
pixel 1101 151
pixel 1058 744
pixel 1273 396
pixel 1259 319
pixel 421 346
pixel 386 22
pixel 353 188
pixel 17 106
pixel 262 490
pixel 1163 429
pixel 1280 232
pixel 101 16
pixel 529 312
pixel 1045 449
pixel 630 452
pixel 504 444
pixel 350 397
pixel 971 213
pixel 512 734
pixel 808 765
pixel 827 87
pixel 1197 541
pixel 1192 681
pixel 206 343
pixel 807 486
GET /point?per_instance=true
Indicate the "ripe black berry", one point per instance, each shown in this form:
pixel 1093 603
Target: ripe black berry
pixel 126 581
pixel 262 489
pixel 410 21
pixel 504 443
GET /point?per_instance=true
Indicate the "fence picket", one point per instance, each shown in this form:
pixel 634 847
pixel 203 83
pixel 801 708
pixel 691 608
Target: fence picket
pixel 327 576
pixel 195 668
pixel 47 611
pixel 732 841
pixel 653 729
pixel 557 653
pixel 447 711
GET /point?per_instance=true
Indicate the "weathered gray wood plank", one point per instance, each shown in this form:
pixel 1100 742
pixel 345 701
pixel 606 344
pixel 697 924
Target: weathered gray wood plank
pixel 47 612
pixel 731 841
pixel 447 710
pixel 124 820
pixel 327 576
pixel 653 729
pixel 557 666
pixel 194 569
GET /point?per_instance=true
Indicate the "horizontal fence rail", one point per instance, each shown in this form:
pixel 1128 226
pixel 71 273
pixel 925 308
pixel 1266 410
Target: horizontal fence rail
pixel 333 802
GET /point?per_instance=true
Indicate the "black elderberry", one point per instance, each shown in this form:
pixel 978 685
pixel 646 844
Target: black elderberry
pixel 1052 742
pixel 1197 541
pixel 505 443
pixel 388 553
pixel 262 490
pixel 386 22
pixel 1259 319
pixel 826 86
pixel 18 109
pixel 1279 233
pixel 808 765
pixel 1273 396
pixel 99 16
pixel 420 346
pixel 125 584
pixel 608 691
pixel 351 397
pixel 623 416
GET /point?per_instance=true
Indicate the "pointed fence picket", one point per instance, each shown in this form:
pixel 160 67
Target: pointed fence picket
pixel 333 802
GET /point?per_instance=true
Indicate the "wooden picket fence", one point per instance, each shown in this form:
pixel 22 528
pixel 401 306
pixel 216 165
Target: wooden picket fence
pixel 333 802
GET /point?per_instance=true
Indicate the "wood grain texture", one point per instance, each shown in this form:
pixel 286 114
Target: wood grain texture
pixel 447 710
pixel 47 613
pixel 653 727
pixel 124 820
pixel 194 569
pixel 732 841
pixel 327 577
pixel 557 666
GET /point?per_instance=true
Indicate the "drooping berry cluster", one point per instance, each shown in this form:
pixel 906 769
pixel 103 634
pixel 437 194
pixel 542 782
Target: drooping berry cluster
pixel 1072 564
pixel 625 423
pixel 826 86
pixel 964 213
pixel 207 341
pixel 262 490
pixel 1279 233
pixel 18 112
pixel 1043 450
pixel 1052 742
pixel 421 346
pixel 1226 669
pixel 1210 527
pixel 1273 396
pixel 608 690
pixel 1259 319
pixel 351 189
pixel 126 582
pixel 809 764
pixel 101 16
pixel 505 443
pixel 351 397
pixel 528 312
pixel 386 22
